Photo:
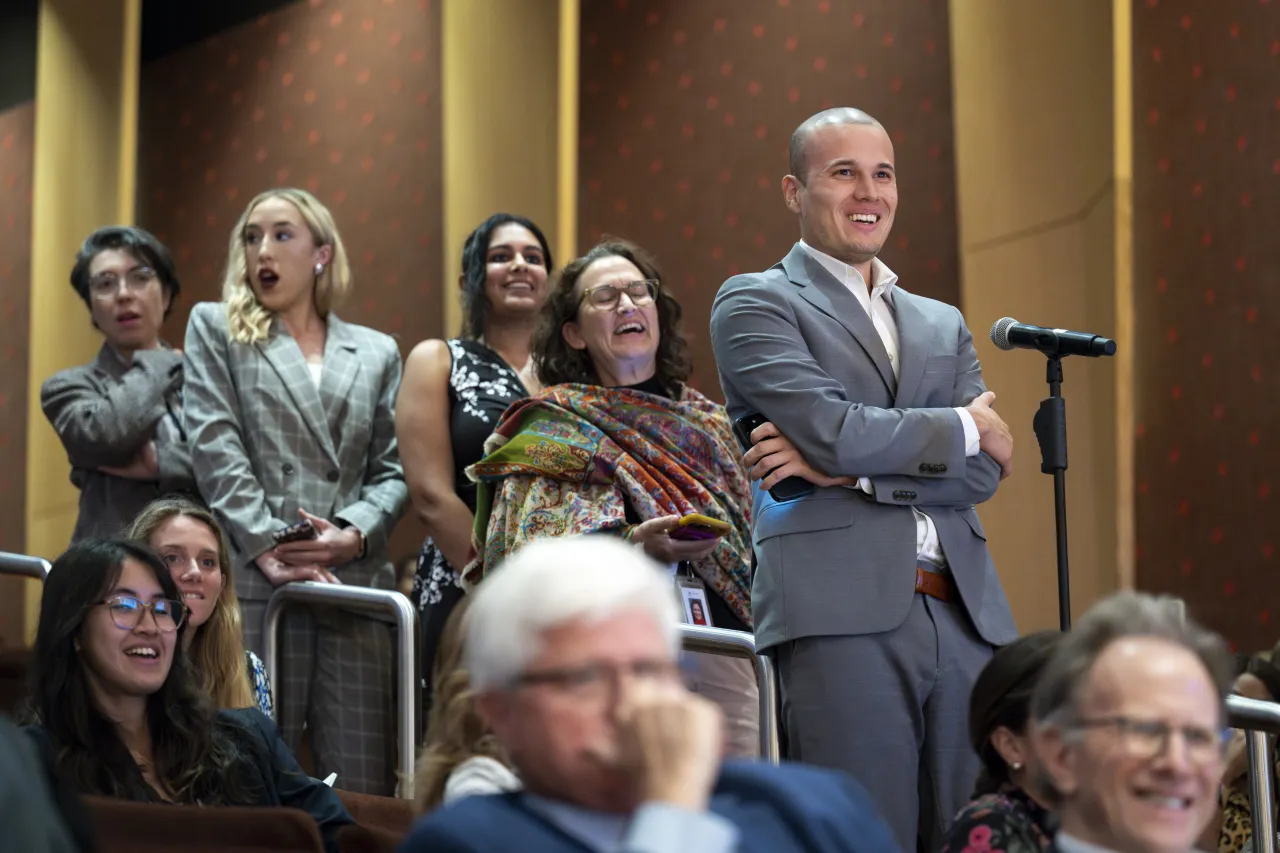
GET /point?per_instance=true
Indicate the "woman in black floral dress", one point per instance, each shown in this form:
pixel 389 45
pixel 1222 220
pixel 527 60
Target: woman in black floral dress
pixel 1010 811
pixel 452 394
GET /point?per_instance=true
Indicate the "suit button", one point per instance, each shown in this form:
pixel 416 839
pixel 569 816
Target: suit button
pixel 911 496
pixel 332 476
pixel 287 469
pixel 942 469
pixel 924 467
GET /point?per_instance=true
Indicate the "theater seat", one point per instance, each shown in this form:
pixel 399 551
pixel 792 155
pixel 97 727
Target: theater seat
pixel 125 827
pixel 389 814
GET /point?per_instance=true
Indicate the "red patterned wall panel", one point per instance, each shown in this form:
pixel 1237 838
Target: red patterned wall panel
pixel 687 110
pixel 341 97
pixel 1206 198
pixel 17 136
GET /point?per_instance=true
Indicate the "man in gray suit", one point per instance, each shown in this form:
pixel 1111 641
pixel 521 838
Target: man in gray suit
pixel 876 592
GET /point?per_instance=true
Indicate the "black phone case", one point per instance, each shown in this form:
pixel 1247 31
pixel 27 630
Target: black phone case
pixel 301 531
pixel 790 489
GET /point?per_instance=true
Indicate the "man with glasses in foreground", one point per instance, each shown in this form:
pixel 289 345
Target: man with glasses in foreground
pixel 1132 716
pixel 571 646
pixel 120 416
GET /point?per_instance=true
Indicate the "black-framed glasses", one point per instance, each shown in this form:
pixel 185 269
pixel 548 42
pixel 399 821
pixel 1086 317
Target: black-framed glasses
pixel 126 611
pixel 1148 738
pixel 107 284
pixel 598 680
pixel 642 292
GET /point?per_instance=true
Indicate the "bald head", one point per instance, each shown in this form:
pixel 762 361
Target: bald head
pixel 827 118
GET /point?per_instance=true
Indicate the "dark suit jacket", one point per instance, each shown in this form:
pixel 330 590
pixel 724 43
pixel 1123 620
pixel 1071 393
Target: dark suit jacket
pixel 274 772
pixel 776 810
pixel 104 412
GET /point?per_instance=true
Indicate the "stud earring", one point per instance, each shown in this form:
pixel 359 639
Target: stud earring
pixel 1015 766
pixel 319 269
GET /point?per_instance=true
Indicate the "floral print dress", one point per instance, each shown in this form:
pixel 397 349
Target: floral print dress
pixel 1007 821
pixel 481 387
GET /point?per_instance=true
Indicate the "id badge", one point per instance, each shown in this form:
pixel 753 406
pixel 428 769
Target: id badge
pixel 693 595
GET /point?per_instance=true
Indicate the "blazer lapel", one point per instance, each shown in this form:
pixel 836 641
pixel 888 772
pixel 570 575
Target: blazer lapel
pixel 912 333
pixel 283 353
pixel 821 290
pixel 341 364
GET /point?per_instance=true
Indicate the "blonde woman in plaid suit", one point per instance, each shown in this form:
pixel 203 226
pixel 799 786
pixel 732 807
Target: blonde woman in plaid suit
pixel 290 414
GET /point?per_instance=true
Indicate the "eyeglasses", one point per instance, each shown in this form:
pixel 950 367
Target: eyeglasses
pixel 126 611
pixel 106 285
pixel 595 682
pixel 1146 739
pixel 607 295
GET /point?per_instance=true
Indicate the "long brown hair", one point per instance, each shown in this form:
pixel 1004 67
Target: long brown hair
pixel 455 731
pixel 556 362
pixel 217 653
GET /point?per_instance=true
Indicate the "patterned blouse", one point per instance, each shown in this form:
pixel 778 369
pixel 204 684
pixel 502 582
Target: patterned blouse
pixel 1007 821
pixel 261 685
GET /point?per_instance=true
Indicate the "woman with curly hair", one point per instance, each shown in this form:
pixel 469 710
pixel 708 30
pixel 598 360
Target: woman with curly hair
pixel 619 443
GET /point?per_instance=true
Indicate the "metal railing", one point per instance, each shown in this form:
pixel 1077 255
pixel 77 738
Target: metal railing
pixel 739 644
pixel 24 565
pixel 374 602
pixel 1261 724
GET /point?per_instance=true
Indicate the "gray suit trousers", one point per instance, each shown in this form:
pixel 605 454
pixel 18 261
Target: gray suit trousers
pixel 891 709
pixel 337 678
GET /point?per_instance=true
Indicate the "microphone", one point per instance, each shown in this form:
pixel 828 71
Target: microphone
pixel 1007 333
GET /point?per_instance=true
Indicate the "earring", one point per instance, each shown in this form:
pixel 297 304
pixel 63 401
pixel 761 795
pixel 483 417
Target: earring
pixel 319 269
pixel 1015 766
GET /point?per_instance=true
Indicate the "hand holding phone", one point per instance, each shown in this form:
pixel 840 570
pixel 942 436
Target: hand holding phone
pixel 299 532
pixel 697 527
pixel 789 489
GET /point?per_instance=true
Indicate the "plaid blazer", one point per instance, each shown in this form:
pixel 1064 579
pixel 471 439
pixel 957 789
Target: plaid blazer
pixel 104 412
pixel 266 442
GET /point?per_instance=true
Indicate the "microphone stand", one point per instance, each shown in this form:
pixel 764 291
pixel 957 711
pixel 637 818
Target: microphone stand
pixel 1050 424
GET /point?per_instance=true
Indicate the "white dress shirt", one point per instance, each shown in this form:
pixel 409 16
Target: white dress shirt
pixel 877 301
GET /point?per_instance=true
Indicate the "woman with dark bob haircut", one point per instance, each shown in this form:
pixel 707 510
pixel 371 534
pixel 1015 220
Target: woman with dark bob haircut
pixel 114 701
pixel 1011 808
pixel 453 393
pixel 618 442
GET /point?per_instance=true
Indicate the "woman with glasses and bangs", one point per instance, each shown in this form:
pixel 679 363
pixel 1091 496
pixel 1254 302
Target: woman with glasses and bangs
pixel 120 416
pixel 115 704
pixel 618 442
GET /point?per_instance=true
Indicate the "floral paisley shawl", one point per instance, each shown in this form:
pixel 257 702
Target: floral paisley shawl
pixel 569 460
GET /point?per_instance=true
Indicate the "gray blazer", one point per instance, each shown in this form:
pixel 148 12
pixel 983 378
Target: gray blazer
pixel 104 412
pixel 795 345
pixel 268 443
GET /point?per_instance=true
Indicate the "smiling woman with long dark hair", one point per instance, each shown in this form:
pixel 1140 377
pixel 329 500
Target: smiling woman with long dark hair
pixel 114 701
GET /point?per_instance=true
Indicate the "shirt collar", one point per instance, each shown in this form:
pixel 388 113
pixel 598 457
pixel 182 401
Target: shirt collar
pixel 883 277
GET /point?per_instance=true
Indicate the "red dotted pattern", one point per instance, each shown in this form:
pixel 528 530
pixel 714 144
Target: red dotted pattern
pixel 341 97
pixel 1206 196
pixel 686 114
pixel 17 149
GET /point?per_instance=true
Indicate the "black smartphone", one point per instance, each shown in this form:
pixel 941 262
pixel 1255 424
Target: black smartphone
pixel 790 489
pixel 295 532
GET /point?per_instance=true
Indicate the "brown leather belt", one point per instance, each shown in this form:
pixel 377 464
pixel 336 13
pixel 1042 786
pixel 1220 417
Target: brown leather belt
pixel 935 585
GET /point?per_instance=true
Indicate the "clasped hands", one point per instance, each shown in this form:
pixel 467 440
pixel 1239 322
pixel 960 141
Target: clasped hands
pixel 772 457
pixel 311 559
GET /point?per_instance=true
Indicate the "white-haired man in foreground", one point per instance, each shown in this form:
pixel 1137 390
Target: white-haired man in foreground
pixel 572 650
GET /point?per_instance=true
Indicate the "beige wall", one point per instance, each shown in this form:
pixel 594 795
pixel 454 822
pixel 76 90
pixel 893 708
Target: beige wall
pixel 1036 174
pixel 87 93
pixel 501 122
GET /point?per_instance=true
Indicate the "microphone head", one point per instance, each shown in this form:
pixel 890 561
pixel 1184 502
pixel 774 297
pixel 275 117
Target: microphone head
pixel 1000 332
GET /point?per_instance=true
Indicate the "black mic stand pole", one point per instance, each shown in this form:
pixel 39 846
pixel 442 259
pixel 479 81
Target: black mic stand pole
pixel 1050 424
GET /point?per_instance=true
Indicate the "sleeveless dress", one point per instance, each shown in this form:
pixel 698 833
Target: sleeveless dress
pixel 481 387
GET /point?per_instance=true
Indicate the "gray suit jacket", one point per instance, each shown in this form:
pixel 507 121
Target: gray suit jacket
pixel 268 443
pixel 104 412
pixel 795 345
